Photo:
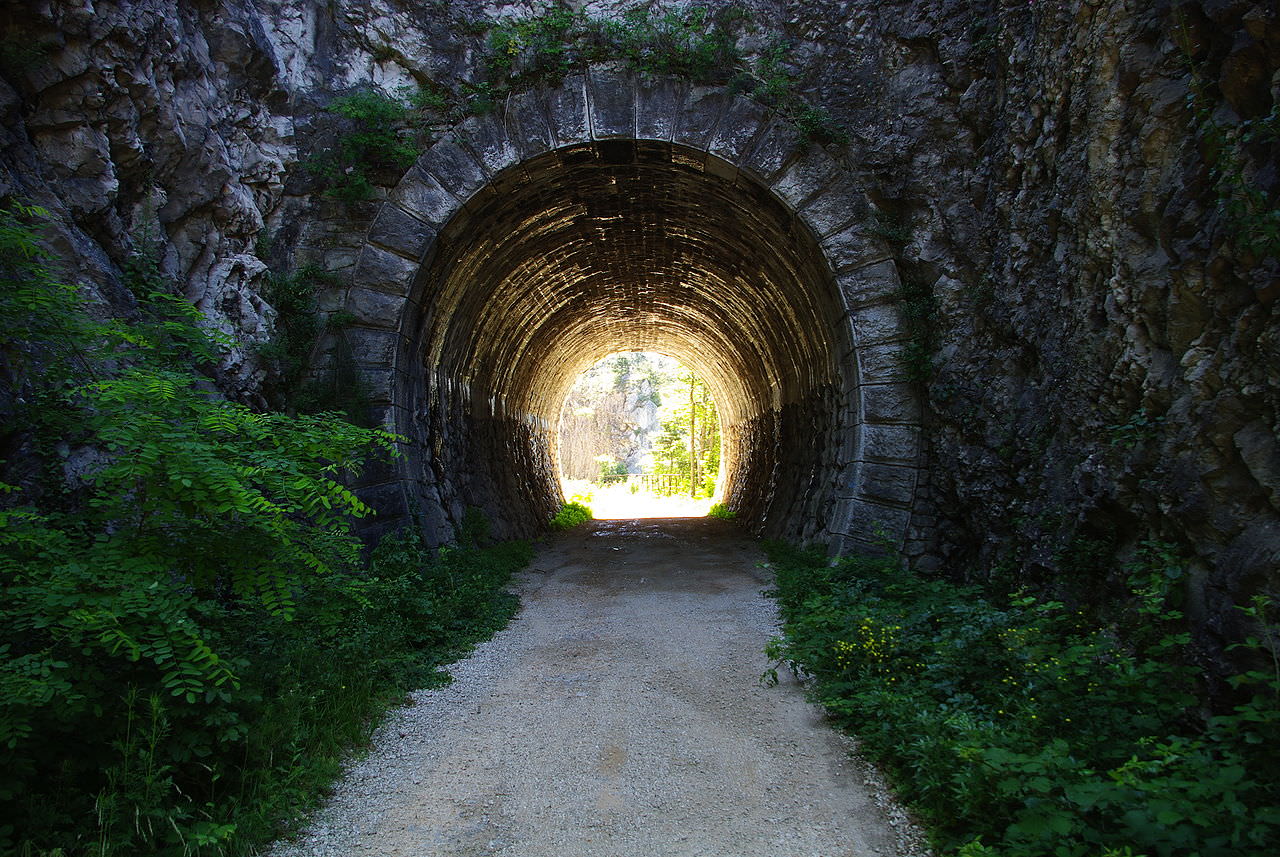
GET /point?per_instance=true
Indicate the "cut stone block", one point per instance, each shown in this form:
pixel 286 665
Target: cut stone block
pixel 422 195
pixel 657 107
pixel 527 123
pixel 876 324
pixel 383 271
pixel 744 120
pixel 882 363
pixel 870 284
pixel 835 207
pixel 567 109
pixel 454 167
pixel 396 230
pixel 375 309
pixel 876 523
pixel 886 483
pixel 854 247
pixel 699 115
pixel 776 147
pixel 808 175
pixel 489 142
pixel 890 403
pixel 371 345
pixel 613 103
pixel 890 444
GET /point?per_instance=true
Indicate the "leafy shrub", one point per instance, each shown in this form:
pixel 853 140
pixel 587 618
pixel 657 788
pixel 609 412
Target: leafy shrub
pixel 1022 730
pixel 721 511
pixel 570 515
pixel 373 140
pixel 190 640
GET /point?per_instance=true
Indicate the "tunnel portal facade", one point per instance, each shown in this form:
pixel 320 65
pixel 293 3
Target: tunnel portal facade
pixel 613 213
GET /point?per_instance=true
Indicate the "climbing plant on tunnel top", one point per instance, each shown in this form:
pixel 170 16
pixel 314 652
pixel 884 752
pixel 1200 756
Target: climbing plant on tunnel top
pixel 381 133
pixel 692 42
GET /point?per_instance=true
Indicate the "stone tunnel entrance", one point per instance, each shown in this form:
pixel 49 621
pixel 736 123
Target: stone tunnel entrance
pixel 583 221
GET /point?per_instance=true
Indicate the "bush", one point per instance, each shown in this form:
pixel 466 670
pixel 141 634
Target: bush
pixel 190 640
pixel 374 139
pixel 1020 729
pixel 570 515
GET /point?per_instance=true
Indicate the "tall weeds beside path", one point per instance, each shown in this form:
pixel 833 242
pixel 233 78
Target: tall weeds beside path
pixel 1019 728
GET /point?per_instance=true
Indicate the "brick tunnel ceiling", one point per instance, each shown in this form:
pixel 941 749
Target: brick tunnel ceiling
pixel 630 246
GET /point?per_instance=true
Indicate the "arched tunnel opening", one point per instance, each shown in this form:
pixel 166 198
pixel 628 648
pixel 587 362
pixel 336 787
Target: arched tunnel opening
pixel 639 437
pixel 614 246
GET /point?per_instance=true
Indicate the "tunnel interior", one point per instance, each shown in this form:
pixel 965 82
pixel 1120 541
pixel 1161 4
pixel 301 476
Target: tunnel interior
pixel 613 246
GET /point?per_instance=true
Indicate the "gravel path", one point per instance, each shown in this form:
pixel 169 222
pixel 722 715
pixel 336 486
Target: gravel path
pixel 620 715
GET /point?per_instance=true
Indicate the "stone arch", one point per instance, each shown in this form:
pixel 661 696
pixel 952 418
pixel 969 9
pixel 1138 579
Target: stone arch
pixel 858 488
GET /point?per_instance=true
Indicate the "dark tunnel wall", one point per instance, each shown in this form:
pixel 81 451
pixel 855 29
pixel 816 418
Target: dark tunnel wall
pixel 628 246
pixel 654 217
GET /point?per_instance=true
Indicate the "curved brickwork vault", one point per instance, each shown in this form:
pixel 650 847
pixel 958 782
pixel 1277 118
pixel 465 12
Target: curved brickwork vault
pixel 615 214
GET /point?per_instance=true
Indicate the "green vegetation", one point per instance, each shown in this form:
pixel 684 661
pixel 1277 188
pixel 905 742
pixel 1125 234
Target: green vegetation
pixel 293 385
pixel 1138 429
pixel 1019 727
pixel 1252 211
pixel 382 134
pixel 692 42
pixel 375 137
pixel 1238 154
pixel 191 640
pixel 919 311
pixel 721 511
pixel 571 514
pixel 686 453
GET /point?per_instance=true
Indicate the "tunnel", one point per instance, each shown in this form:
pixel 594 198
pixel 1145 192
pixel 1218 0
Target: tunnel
pixel 525 248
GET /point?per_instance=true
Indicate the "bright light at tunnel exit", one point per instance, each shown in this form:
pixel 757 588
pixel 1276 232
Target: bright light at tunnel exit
pixel 639 437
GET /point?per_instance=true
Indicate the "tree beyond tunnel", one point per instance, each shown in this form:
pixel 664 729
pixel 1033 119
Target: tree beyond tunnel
pixel 746 259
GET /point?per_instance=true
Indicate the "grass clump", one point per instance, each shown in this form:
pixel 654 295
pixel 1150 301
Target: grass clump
pixel 570 515
pixel 721 511
pixel 1017 727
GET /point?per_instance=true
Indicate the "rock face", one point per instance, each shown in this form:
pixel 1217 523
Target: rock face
pixel 1065 299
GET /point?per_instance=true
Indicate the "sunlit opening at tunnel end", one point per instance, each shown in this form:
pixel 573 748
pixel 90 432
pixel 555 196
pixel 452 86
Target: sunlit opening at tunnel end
pixel 639 437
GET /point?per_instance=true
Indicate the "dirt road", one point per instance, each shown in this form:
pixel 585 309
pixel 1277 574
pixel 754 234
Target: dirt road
pixel 620 714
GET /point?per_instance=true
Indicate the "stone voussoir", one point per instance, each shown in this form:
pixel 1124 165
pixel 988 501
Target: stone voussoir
pixel 890 403
pixel 454 167
pixel 873 283
pixel 384 271
pixel 489 143
pixel 567 111
pixel 807 176
pixel 744 120
pixel 422 195
pixel 397 230
pixel 774 149
pixel 835 207
pixel 612 102
pixel 658 103
pixel 700 113
pixel 526 121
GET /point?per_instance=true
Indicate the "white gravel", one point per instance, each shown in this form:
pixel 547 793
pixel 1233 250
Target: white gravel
pixel 619 714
